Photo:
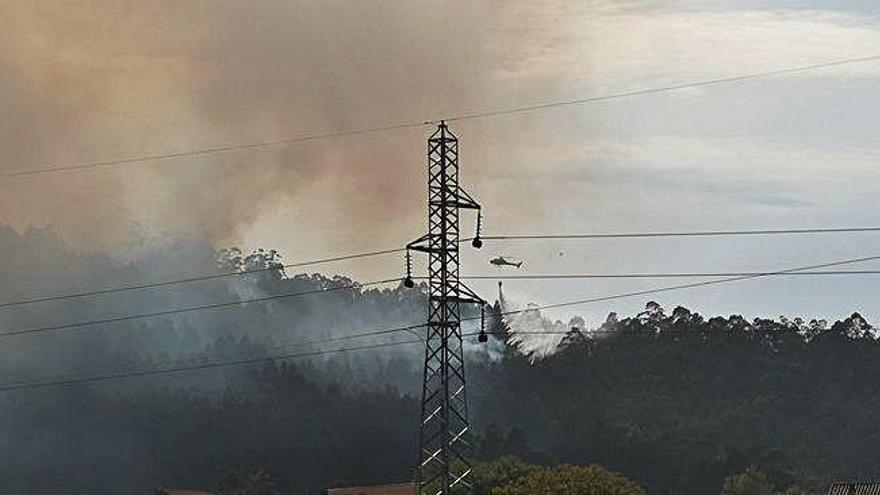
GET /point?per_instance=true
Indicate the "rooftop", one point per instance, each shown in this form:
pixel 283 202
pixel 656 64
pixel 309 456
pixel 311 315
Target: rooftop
pixel 869 488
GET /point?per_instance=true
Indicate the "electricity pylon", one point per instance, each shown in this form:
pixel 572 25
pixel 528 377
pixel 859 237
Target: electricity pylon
pixel 444 434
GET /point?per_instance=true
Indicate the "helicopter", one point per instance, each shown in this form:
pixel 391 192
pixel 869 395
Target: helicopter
pixel 500 261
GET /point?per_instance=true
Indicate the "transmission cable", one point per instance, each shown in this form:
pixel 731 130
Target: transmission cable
pixel 557 276
pixel 662 89
pixel 49 382
pixel 696 233
pixel 707 233
pixel 16 386
pixel 175 311
pixel 690 285
pixel 194 367
pixel 579 276
pixel 210 151
pixel 164 283
pixel 412 124
pixel 66 326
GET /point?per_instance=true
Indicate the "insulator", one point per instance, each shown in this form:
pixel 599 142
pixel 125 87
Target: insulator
pixel 478 242
pixel 408 281
pixel 483 337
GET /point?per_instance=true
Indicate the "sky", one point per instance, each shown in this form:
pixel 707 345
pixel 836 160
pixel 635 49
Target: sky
pixel 93 80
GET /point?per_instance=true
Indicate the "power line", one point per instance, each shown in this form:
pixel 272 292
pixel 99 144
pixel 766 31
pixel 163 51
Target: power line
pixel 197 278
pixel 577 276
pixel 168 312
pixel 304 343
pixel 707 283
pixel 194 367
pixel 695 284
pixel 734 277
pixel 40 384
pixel 696 233
pixel 517 237
pixel 289 345
pixel 803 271
pixel 664 89
pixel 209 151
pixel 44 382
pixel 412 124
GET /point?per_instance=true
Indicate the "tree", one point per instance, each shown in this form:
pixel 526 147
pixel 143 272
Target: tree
pixel 485 476
pixel 753 482
pixel 501 472
pixel 570 480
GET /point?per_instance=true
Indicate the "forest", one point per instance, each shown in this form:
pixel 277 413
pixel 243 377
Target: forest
pixel 673 401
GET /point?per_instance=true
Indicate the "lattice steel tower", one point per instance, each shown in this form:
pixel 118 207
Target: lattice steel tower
pixel 444 437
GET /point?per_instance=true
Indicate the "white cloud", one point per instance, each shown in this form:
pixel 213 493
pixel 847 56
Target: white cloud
pixel 606 45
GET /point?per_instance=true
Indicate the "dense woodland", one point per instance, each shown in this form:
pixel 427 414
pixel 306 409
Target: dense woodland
pixel 674 401
pixel 679 402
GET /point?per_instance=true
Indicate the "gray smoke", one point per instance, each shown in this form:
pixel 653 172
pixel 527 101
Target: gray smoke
pixel 99 79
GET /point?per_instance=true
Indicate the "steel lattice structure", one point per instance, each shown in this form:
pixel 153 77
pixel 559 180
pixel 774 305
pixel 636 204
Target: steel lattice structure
pixel 445 439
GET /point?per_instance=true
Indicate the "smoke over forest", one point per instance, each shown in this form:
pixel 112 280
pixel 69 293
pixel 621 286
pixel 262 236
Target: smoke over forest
pixel 141 142
pixel 673 401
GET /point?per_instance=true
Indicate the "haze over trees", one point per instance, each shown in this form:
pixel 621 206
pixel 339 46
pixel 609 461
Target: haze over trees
pixel 671 400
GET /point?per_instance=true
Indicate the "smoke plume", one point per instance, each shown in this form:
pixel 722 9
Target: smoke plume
pixel 92 80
